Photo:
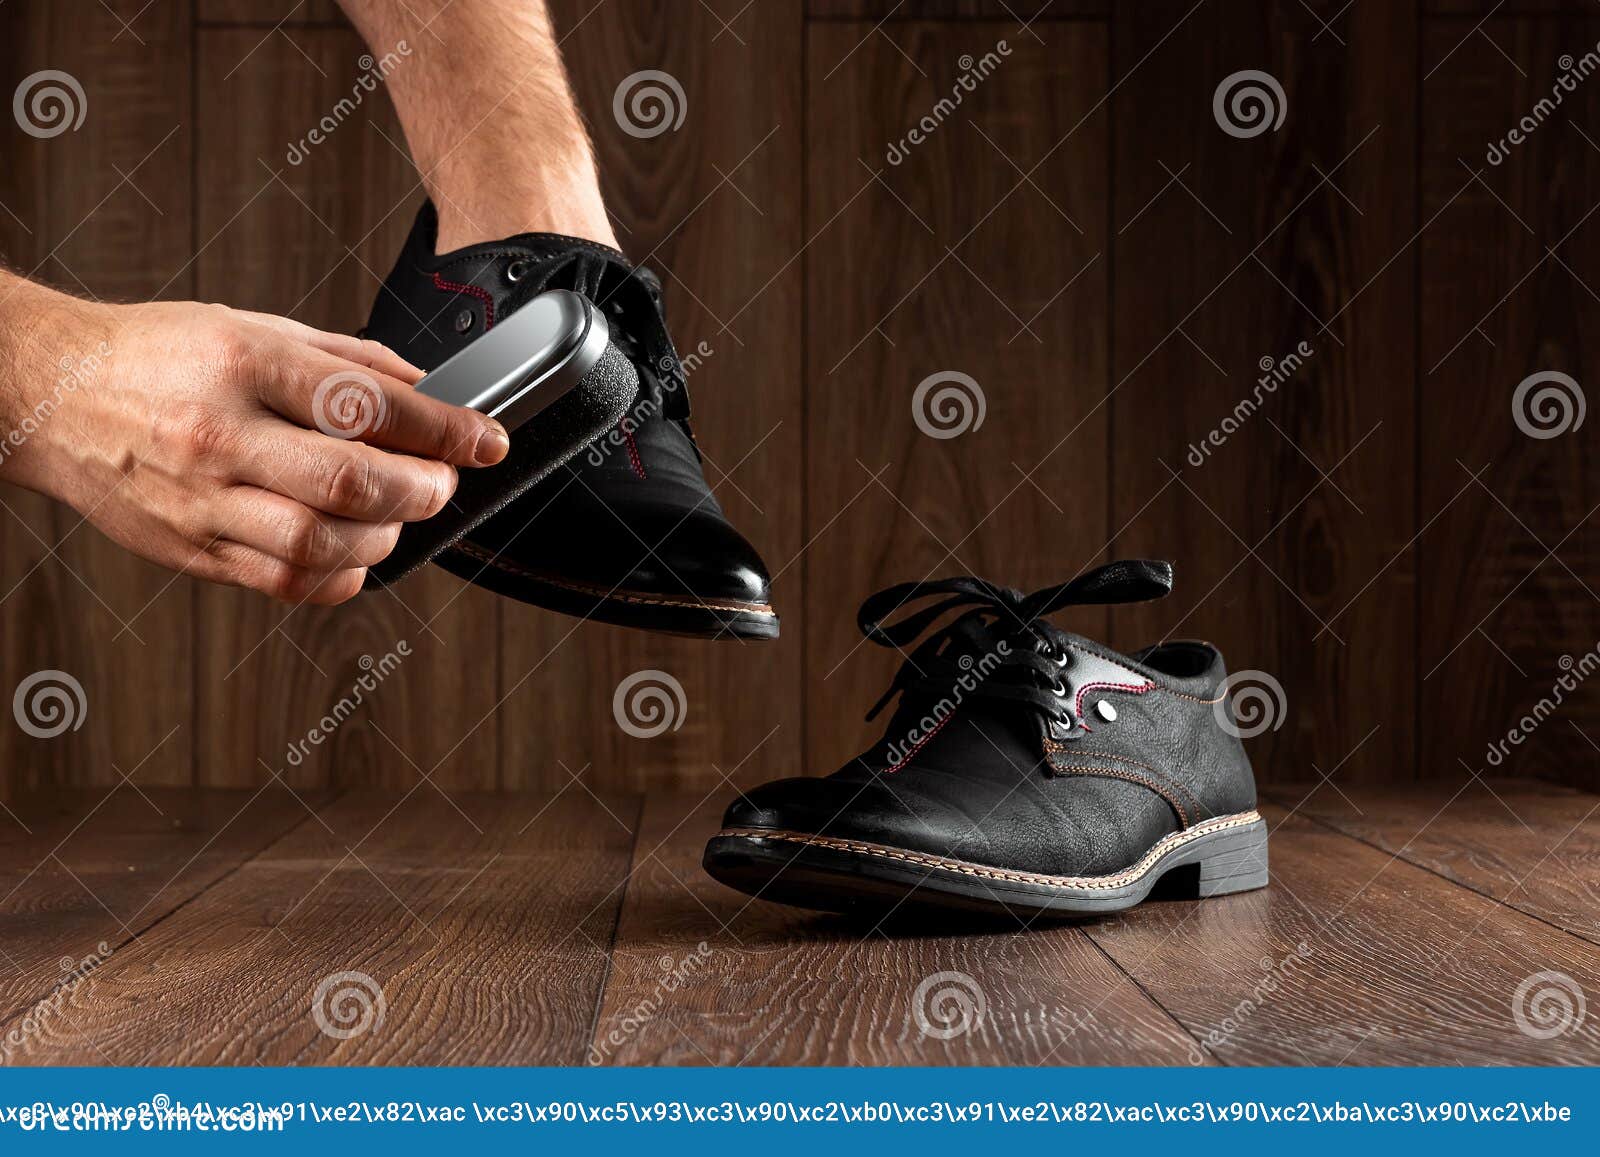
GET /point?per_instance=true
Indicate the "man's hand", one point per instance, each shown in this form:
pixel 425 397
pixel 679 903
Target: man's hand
pixel 239 447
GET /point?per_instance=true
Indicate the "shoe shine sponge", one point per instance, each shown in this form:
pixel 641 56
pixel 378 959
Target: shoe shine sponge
pixel 552 377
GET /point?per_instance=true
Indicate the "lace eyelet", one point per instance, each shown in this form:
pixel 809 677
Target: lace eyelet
pixel 517 270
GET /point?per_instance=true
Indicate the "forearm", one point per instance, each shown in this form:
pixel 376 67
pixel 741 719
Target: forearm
pixel 489 115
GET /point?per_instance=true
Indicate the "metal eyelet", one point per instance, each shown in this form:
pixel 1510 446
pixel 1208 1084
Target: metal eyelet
pixel 1107 712
pixel 464 321
pixel 517 270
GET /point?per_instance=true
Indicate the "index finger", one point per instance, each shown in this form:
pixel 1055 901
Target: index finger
pixel 352 402
pixel 363 351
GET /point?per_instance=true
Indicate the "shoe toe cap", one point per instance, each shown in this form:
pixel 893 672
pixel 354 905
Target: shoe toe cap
pixel 854 809
pixel 699 553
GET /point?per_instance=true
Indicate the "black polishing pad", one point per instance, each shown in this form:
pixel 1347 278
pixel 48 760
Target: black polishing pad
pixel 541 445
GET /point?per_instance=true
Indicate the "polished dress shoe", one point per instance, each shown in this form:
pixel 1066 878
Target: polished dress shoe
pixel 627 532
pixel 1025 770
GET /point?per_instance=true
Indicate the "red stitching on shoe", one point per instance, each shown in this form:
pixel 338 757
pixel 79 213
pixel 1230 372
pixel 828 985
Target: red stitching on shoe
pixel 918 746
pixel 1136 688
pixel 633 451
pixel 483 295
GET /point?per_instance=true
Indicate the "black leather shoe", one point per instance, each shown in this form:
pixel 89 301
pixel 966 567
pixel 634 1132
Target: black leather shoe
pixel 628 532
pixel 1025 770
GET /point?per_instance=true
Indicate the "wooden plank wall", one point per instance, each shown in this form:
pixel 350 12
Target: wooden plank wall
pixel 1078 235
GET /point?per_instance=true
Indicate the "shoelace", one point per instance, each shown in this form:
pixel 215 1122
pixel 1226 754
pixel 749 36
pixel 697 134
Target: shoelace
pixel 1020 658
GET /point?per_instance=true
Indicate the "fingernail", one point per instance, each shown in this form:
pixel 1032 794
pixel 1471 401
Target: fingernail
pixel 493 445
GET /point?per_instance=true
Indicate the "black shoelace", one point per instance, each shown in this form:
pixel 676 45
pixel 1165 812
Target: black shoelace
pixel 1003 636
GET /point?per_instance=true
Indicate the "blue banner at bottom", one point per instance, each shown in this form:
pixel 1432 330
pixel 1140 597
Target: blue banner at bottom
pixel 794 1110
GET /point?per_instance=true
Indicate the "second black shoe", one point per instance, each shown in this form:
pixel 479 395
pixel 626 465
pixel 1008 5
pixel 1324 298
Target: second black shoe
pixel 627 532
pixel 1025 770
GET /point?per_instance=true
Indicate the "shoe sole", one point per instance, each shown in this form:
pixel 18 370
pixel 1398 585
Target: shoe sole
pixel 1217 857
pixel 620 608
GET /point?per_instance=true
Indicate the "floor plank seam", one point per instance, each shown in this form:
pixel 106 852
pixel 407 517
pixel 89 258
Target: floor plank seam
pixel 1401 855
pixel 616 927
pixel 1199 1044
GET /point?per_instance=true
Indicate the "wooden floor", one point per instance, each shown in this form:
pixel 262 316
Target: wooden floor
pixel 175 926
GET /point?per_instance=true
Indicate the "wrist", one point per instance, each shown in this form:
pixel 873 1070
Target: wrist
pixel 50 344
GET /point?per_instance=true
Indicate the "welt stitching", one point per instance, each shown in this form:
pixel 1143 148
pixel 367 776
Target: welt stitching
pixel 494 560
pixel 1126 876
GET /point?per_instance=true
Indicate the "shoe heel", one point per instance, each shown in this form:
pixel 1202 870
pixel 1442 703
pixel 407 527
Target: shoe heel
pixel 1234 861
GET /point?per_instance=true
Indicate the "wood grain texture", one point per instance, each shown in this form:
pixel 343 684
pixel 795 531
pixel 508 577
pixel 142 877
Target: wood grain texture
pixel 714 206
pixel 86 873
pixel 269 13
pixel 579 929
pixel 1505 617
pixel 312 239
pixel 982 252
pixel 704 975
pixel 101 211
pixel 1533 846
pixel 1471 13
pixel 1288 506
pixel 31 636
pixel 1021 12
pixel 765 188
pixel 1352 957
pixel 484 932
